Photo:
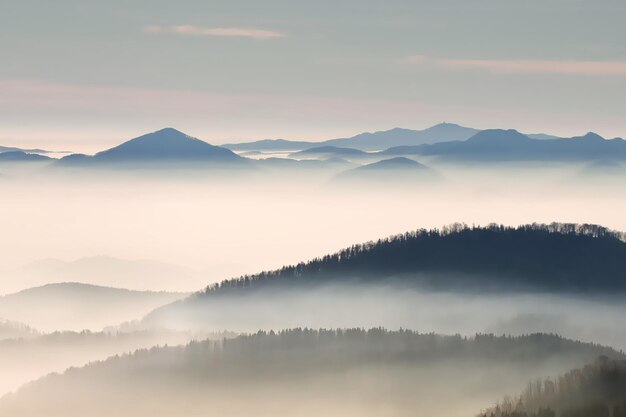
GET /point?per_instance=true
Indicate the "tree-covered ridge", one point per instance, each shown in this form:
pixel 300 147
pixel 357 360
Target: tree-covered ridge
pixel 557 256
pixel 303 350
pixel 597 390
pixel 346 372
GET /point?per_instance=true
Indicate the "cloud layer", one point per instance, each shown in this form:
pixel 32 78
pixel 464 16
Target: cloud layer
pixel 191 30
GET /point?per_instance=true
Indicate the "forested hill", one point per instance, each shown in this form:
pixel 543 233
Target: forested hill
pixel 555 257
pixel 597 390
pixel 317 372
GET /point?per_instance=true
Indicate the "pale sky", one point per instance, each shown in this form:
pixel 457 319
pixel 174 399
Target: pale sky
pixel 84 75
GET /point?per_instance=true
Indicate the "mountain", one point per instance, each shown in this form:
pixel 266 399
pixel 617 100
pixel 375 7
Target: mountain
pixel 442 132
pixel 20 156
pixel 397 170
pixel 509 145
pixel 163 146
pixel 411 280
pixel 74 306
pixel 596 390
pixel 316 372
pixel 15 149
pixel 393 163
pixel 328 152
pixel 32 356
pixel 368 141
pixel 555 257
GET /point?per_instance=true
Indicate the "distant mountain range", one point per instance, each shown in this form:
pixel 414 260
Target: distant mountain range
pixel 329 151
pixel 4 149
pixel 172 148
pixel 375 141
pixel 367 141
pixel 21 156
pixel 510 145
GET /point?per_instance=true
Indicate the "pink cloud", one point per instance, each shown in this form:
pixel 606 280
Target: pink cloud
pixel 572 67
pixel 191 30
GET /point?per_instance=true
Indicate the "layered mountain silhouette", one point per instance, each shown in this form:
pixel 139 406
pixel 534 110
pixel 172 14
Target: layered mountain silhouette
pixel 328 152
pixel 509 145
pixel 163 146
pixel 77 306
pixel 21 156
pixel 369 140
pixel 16 149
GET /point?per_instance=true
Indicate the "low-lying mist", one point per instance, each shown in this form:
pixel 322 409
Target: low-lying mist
pixel 220 225
pixel 593 319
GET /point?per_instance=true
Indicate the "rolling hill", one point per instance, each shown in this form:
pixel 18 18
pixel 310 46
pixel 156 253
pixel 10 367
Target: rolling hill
pixel 334 372
pixel 560 257
pixel 394 171
pixel 74 306
pixel 596 390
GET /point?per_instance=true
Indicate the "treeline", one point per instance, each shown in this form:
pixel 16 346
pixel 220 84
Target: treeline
pixel 597 390
pixel 557 256
pixel 301 351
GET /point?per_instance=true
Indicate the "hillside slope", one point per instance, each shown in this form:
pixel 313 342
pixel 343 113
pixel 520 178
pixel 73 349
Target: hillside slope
pixel 304 372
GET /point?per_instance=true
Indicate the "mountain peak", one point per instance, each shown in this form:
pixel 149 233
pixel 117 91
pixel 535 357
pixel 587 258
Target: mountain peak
pixel 498 136
pixel 166 144
pixel 592 136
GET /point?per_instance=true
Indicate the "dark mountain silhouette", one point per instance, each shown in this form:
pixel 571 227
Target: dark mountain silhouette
pixel 555 257
pixel 162 146
pixel 510 145
pixel 597 390
pixel 20 156
pixel 329 151
pixel 369 140
pixel 314 370
pixel 565 260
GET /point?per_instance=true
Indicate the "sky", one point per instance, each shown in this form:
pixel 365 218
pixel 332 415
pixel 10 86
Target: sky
pixel 85 75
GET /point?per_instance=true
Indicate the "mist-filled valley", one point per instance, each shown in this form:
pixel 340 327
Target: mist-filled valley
pixel 151 284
